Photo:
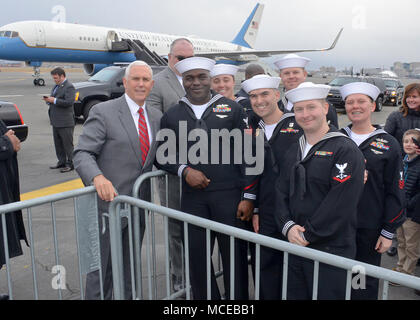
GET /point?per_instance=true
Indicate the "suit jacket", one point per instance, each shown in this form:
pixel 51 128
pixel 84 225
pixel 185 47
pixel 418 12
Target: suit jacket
pixel 110 145
pixel 62 113
pixel 166 92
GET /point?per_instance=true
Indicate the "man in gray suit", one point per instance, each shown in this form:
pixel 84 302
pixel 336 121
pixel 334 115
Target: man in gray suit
pixel 167 91
pixel 61 115
pixel 117 145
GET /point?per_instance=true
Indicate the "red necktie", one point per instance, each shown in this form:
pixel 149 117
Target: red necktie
pixel 143 135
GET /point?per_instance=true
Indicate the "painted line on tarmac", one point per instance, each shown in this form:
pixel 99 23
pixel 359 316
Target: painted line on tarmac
pixel 12 80
pixel 58 188
pixel 11 96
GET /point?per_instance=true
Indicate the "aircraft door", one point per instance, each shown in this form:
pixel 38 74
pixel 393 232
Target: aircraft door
pixel 111 37
pixel 40 35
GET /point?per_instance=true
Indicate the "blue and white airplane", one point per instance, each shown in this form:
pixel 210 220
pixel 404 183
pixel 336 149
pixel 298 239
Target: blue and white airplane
pixel 45 41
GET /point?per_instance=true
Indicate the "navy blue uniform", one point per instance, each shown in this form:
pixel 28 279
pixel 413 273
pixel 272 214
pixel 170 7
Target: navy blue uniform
pixel 320 192
pixel 285 134
pixel 229 185
pixel 380 210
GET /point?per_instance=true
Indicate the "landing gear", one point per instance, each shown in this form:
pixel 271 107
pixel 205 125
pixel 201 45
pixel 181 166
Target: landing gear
pixel 38 81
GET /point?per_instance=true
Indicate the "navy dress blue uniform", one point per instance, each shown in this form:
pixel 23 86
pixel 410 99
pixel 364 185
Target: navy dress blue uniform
pixel 320 192
pixel 284 135
pixel 219 201
pixel 380 210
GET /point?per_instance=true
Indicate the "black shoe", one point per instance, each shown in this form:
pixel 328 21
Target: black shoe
pixel 4 297
pixel 58 166
pixel 67 169
pixel 392 251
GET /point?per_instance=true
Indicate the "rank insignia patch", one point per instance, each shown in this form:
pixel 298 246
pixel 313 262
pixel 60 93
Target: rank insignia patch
pixel 222 108
pixel 324 153
pixel 341 177
pixel 379 145
pixel 401 182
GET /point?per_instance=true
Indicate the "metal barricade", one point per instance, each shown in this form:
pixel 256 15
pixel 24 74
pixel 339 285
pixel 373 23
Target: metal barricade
pixel 86 243
pixel 150 248
pixel 234 233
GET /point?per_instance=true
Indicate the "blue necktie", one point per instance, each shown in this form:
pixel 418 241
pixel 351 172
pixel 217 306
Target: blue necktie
pixel 54 90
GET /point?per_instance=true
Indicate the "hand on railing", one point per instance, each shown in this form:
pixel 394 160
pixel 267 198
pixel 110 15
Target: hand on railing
pixel 104 188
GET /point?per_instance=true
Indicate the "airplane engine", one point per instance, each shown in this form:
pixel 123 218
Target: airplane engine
pixel 91 69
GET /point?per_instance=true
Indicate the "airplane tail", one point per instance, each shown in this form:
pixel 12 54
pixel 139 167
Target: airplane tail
pixel 249 31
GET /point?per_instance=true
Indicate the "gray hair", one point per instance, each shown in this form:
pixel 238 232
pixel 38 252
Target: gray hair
pixel 179 40
pixel 137 63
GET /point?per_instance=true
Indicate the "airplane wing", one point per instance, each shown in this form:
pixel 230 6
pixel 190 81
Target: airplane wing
pixel 251 55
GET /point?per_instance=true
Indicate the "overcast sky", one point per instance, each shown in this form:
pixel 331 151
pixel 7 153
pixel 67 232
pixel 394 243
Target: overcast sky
pixel 376 32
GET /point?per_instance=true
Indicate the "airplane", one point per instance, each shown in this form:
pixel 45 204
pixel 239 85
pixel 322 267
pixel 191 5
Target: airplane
pixel 48 41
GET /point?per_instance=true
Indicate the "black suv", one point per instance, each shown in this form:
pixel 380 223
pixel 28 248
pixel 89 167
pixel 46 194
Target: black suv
pixel 394 91
pixel 334 96
pixel 11 116
pixel 105 85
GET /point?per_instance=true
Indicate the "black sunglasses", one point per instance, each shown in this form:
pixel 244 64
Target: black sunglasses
pixel 180 58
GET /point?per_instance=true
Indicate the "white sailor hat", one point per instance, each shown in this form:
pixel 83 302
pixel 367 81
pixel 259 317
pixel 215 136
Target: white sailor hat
pixel 307 91
pixel 360 87
pixel 219 69
pixel 194 63
pixel 291 61
pixel 260 81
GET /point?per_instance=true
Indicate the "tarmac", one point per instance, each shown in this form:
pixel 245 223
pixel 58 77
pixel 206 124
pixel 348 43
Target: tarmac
pixel 35 157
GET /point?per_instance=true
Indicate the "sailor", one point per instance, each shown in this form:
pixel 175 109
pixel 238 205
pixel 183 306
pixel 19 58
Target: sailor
pixel 251 70
pixel 223 82
pixel 215 190
pixel 380 210
pixel 280 130
pixel 292 73
pixel 317 193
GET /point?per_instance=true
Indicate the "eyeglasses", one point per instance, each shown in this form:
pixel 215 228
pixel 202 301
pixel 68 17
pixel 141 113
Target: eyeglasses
pixel 180 58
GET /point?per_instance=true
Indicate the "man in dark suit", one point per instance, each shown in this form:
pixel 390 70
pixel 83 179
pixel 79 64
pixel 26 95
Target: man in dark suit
pixel 117 145
pixel 61 115
pixel 167 92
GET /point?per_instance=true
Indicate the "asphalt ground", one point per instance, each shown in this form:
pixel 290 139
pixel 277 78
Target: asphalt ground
pixel 36 179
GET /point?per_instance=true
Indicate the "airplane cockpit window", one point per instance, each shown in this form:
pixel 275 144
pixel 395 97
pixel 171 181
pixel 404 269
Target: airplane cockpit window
pixel 9 34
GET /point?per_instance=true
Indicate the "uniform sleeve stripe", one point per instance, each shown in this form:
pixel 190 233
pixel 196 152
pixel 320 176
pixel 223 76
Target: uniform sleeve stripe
pixel 181 169
pixel 287 227
pixel 250 196
pixel 387 234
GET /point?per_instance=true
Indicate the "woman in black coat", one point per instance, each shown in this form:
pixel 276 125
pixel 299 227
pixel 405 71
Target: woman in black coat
pixel 408 117
pixel 9 192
